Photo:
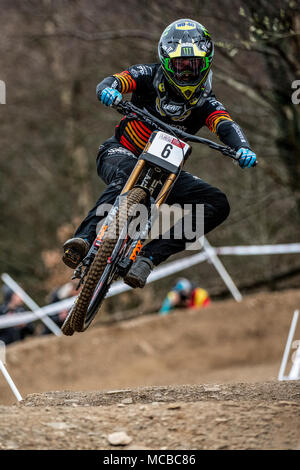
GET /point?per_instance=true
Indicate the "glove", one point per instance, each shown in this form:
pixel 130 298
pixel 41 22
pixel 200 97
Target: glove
pixel 110 96
pixel 246 158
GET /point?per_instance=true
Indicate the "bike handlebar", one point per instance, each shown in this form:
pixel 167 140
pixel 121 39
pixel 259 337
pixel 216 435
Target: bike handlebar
pixel 130 110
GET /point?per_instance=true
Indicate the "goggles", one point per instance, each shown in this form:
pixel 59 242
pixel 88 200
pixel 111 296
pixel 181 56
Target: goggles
pixel 188 70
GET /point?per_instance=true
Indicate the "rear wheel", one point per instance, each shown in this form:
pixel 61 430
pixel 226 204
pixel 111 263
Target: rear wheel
pixel 86 304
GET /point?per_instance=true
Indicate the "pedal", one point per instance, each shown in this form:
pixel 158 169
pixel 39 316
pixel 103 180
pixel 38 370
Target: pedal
pixel 124 266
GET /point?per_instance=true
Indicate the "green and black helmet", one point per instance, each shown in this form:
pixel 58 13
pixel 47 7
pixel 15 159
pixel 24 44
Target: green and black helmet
pixel 186 52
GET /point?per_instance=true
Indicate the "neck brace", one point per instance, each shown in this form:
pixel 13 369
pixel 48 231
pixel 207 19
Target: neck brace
pixel 167 104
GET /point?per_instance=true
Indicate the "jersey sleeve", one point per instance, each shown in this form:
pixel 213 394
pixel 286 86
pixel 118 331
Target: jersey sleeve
pixel 136 78
pixel 126 83
pixel 220 122
pixel 215 113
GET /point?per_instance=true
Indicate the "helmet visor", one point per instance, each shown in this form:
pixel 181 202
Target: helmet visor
pixel 188 70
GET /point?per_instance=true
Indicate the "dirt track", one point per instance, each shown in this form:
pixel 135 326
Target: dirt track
pixel 230 352
pixel 243 416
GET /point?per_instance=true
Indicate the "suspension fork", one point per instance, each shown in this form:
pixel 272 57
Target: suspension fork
pixel 78 273
pixel 112 213
pixel 164 192
pixel 134 176
pixel 137 244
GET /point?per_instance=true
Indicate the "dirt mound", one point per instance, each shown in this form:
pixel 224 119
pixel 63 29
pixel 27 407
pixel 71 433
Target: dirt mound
pixel 226 342
pixel 266 392
pixel 240 416
pixel 239 345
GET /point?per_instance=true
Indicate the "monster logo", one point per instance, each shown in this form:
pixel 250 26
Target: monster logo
pixel 187 51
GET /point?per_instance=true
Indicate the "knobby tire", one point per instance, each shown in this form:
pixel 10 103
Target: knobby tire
pixel 77 316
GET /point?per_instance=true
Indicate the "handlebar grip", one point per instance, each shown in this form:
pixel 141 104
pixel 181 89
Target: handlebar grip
pixel 252 166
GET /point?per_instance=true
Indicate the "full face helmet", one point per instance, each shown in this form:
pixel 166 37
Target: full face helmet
pixel 186 52
pixel 184 287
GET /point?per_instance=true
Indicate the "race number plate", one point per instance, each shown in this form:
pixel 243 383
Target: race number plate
pixel 168 148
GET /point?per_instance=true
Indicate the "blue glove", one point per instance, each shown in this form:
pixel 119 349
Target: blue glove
pixel 246 158
pixel 110 96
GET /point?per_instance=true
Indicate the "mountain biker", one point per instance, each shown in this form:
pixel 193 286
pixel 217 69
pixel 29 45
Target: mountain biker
pixel 184 294
pixel 178 90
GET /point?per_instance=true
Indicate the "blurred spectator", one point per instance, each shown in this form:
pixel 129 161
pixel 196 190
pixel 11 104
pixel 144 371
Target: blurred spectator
pixel 61 293
pixel 184 294
pixel 13 304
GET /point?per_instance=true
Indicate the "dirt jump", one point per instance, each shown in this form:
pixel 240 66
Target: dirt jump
pixel 194 379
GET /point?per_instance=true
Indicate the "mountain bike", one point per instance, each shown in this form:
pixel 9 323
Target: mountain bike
pixel 116 247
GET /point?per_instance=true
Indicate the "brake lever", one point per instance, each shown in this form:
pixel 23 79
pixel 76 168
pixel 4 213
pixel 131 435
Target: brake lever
pixel 229 152
pixel 124 108
pixel 120 107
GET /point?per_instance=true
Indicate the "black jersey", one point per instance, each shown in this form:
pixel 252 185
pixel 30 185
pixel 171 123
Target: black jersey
pixel 151 91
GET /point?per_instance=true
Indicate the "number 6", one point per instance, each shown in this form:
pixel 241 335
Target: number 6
pixel 166 151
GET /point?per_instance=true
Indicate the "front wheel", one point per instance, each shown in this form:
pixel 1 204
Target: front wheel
pixel 87 304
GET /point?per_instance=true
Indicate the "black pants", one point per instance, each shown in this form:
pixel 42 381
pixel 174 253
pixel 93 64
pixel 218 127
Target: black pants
pixel 114 165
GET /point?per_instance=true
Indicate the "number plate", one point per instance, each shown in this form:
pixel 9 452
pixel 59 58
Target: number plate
pixel 168 148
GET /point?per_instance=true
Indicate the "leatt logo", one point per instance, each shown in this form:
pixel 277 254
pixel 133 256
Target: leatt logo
pixel 2 92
